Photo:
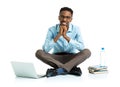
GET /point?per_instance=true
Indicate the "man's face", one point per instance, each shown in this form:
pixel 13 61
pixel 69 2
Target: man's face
pixel 65 18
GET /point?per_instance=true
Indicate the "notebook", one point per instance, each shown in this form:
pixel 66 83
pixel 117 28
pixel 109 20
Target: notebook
pixel 24 69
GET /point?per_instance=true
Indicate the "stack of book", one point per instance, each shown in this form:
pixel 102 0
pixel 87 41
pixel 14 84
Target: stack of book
pixel 97 69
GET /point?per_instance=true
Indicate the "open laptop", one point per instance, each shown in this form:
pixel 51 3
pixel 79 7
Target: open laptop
pixel 25 70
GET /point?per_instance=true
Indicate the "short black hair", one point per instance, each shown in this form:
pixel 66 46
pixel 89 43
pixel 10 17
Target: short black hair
pixel 66 9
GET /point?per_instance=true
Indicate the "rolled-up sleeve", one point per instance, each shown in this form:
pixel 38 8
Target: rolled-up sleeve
pixel 79 45
pixel 76 42
pixel 49 42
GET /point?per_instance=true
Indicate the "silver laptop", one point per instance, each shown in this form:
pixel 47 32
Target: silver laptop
pixel 26 70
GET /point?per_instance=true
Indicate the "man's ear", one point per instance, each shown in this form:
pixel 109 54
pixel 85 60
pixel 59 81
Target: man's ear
pixel 71 19
pixel 58 17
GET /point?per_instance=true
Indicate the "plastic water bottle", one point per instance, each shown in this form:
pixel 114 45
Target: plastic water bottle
pixel 102 56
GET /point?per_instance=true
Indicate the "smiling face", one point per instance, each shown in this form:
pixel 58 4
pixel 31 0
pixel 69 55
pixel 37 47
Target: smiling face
pixel 65 17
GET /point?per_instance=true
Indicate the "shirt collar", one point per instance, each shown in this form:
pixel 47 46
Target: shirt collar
pixel 69 29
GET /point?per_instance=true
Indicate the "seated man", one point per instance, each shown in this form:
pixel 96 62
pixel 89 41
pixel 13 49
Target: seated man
pixel 67 44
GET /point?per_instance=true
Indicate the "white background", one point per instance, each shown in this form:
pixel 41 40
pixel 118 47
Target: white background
pixel 23 27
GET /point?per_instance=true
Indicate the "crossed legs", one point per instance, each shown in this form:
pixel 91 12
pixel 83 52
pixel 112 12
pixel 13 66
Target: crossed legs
pixel 66 61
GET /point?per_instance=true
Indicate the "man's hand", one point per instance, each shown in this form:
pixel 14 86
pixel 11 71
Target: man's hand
pixel 63 30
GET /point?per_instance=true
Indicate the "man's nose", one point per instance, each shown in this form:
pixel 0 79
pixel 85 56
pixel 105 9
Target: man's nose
pixel 64 19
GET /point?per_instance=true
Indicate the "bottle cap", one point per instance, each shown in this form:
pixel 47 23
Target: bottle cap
pixel 102 48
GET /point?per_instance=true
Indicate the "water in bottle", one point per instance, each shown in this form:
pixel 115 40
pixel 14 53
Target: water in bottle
pixel 102 56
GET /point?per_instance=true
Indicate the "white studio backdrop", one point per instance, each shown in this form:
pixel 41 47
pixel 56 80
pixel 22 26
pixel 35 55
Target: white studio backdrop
pixel 24 25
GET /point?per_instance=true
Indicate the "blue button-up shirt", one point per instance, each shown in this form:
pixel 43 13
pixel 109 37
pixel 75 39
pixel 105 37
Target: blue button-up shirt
pixel 62 45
